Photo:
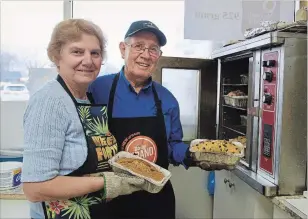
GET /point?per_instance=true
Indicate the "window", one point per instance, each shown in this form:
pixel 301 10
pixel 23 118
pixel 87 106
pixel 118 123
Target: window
pixel 114 17
pixel 26 28
pixel 186 91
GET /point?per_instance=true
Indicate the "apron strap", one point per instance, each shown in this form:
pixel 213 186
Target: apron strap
pixel 111 95
pixel 90 98
pixel 157 101
pixel 61 81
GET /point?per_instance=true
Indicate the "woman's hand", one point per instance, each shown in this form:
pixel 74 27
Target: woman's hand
pixel 119 184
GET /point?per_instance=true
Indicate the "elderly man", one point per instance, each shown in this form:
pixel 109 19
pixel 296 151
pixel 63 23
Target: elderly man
pixel 144 118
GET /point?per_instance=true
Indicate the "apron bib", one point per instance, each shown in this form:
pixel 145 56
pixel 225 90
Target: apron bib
pixel 101 146
pixel 145 137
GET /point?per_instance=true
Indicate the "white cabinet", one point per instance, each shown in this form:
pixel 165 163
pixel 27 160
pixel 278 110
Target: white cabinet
pixel 239 200
pixel 192 198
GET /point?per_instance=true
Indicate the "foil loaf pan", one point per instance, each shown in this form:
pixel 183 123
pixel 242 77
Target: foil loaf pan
pixel 236 101
pixel 269 26
pixel 217 158
pixel 152 185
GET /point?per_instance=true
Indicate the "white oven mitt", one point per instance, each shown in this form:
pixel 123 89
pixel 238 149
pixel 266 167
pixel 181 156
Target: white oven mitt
pixel 121 184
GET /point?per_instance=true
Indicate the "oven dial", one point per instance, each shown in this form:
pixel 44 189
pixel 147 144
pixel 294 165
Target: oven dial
pixel 268 76
pixel 267 98
pixel 269 63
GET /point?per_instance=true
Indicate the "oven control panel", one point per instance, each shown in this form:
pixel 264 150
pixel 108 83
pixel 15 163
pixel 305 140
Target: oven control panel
pixel 267 140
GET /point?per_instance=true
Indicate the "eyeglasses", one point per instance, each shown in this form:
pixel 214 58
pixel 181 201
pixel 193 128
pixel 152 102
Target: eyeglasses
pixel 139 47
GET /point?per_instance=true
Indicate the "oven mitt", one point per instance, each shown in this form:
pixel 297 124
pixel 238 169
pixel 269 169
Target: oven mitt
pixel 121 184
pixel 209 166
pixel 204 165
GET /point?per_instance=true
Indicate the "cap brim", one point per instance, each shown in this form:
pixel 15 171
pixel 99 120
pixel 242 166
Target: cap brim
pixel 160 35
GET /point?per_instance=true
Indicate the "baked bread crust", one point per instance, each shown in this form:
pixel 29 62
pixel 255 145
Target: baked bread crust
pixel 141 167
pixel 216 146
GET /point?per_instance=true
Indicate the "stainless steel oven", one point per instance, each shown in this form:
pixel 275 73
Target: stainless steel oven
pixel 256 91
pixel 262 98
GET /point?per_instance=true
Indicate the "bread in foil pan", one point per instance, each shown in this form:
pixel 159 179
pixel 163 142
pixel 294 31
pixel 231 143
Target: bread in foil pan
pixel 265 27
pixel 152 185
pixel 222 152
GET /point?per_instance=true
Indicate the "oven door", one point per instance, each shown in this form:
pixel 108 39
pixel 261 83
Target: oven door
pixel 253 111
pixel 193 82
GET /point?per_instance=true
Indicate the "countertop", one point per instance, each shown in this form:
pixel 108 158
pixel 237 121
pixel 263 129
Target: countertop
pixel 13 194
pixel 292 205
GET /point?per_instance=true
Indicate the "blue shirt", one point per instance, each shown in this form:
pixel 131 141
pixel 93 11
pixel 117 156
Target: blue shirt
pixel 128 104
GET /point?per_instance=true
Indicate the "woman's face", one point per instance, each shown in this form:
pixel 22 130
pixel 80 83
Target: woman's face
pixel 80 61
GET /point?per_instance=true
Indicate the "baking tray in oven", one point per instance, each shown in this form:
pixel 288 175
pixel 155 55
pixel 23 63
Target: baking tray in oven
pixel 236 101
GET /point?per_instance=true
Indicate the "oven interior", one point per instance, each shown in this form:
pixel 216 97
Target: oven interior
pixel 234 88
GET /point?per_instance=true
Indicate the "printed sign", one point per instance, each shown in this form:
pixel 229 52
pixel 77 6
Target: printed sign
pixel 223 20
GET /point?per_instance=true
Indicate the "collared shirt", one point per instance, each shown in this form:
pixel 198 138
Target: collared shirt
pixel 128 104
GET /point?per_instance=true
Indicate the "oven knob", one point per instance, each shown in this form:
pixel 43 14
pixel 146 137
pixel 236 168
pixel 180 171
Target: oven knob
pixel 269 63
pixel 268 76
pixel 267 98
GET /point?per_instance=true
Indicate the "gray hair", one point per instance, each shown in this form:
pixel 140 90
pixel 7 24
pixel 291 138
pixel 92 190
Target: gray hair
pixel 127 39
pixel 72 30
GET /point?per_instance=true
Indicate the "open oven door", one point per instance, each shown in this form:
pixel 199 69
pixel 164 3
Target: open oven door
pixel 193 82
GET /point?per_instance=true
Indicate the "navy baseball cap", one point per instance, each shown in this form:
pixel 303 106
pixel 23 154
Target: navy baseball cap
pixel 145 25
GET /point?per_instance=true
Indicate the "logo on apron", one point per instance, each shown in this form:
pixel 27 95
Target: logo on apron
pixel 106 148
pixel 141 146
pixel 95 123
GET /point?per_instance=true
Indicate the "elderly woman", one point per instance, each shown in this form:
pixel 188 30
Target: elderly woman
pixel 66 135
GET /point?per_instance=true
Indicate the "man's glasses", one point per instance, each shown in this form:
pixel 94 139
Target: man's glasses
pixel 139 47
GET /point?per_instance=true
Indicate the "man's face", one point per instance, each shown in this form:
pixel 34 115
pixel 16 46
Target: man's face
pixel 141 54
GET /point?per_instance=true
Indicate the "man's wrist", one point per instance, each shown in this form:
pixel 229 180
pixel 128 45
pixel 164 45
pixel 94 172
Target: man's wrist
pixel 188 160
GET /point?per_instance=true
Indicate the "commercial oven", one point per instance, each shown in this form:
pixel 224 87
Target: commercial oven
pixel 257 90
pixel 262 96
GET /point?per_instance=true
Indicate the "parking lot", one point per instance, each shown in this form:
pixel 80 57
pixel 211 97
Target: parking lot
pixel 13 92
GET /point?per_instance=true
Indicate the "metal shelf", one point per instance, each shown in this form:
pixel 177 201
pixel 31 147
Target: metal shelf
pixel 234 107
pixel 235 84
pixel 235 129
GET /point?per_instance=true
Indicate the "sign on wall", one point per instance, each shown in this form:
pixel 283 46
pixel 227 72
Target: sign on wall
pixel 221 20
